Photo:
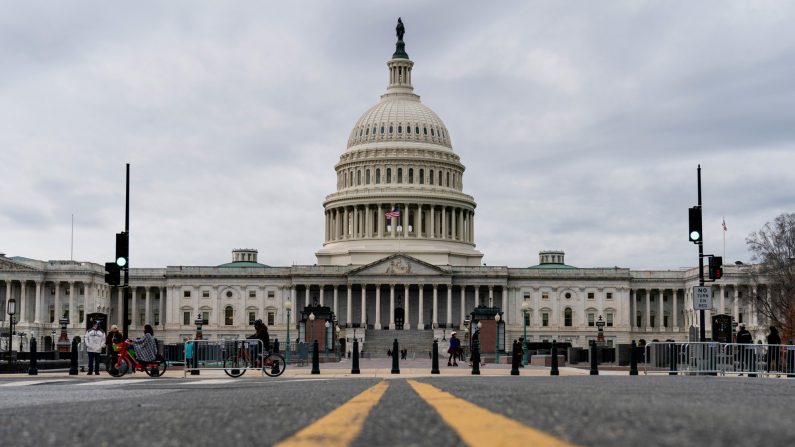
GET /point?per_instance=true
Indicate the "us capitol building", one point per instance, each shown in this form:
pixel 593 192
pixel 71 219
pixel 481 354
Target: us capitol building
pixel 399 254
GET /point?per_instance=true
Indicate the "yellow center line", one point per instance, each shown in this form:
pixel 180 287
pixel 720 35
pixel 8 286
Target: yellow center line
pixel 480 427
pixel 341 426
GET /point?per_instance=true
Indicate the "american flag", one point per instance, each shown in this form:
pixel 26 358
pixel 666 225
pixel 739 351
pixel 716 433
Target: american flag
pixel 394 213
pixel 724 224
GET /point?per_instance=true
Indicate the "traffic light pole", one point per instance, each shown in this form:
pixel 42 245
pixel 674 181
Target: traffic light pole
pixel 701 313
pixel 125 302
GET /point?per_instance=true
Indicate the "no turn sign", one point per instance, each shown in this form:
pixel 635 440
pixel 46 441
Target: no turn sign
pixel 702 298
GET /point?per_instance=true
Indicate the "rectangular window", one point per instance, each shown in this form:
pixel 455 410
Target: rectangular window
pixel 665 320
pixel 186 318
pixel 81 315
pixel 544 295
pixel 591 320
pixel 205 293
pixel 527 297
pixel 271 318
pixel 157 318
pixel 271 294
pixel 142 318
pixel 186 293
pixel 206 317
pixel 639 320
pixel 252 294
pixel 609 295
pixel 590 295
pixel 609 320
pixel 740 317
pixel 52 315
pixel 251 317
pixel 545 319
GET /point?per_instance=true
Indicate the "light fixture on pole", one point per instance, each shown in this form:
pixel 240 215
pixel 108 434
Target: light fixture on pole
pixel 288 306
pixel 11 310
pixel 311 327
pixel 525 310
pixel 497 318
pixel 326 335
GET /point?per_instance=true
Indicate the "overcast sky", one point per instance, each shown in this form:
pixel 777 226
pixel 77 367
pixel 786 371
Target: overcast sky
pixel 580 123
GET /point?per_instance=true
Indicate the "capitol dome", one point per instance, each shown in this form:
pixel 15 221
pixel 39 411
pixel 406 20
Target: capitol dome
pixel 399 185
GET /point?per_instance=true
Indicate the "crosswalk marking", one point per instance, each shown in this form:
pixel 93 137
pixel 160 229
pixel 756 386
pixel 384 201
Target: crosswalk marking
pixel 479 427
pixel 209 381
pixel 33 382
pixel 109 382
pixel 340 427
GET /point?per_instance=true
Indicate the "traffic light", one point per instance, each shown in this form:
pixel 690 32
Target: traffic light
pixel 122 249
pixel 695 225
pixel 715 267
pixel 112 274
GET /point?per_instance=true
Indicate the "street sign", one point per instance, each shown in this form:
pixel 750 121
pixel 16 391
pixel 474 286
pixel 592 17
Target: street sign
pixel 702 298
pixel 600 324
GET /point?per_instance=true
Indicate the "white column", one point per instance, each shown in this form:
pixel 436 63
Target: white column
pixel 56 305
pixel 491 296
pixel 463 303
pixel 37 310
pixel 364 307
pixel 345 222
pixel 163 307
pixel 355 225
pixel 306 295
pixel 407 320
pixel 380 221
pixel 420 320
pixel 404 218
pixel 444 223
pixel 435 306
pixel 392 306
pixel 661 310
pixel 453 229
pixel 449 318
pixel 322 289
pixel 293 299
pixel 477 296
pixel 147 306
pixel 378 306
pixel 72 308
pixel 721 289
pixel 735 306
pixel 23 302
pixel 674 310
pixel 336 301
pixel 648 310
pixel 349 310
pixel 432 226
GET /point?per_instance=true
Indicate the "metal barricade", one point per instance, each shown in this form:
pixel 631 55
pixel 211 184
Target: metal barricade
pixel 225 355
pixel 690 357
pixel 761 360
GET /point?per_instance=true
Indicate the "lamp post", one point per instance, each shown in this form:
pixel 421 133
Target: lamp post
pixel 337 345
pixel 199 321
pixel 311 327
pixel 288 306
pixel 525 310
pixel 600 335
pixel 11 309
pixel 497 318
pixel 326 336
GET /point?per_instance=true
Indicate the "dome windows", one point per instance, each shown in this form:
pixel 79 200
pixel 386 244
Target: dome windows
pixel 400 128
pixel 382 130
pixel 377 176
pixel 408 129
pixel 430 178
pixel 425 131
pixel 389 175
pixel 390 130
pixel 432 134
pixel 367 176
pixel 411 172
pixel 417 130
pixel 422 176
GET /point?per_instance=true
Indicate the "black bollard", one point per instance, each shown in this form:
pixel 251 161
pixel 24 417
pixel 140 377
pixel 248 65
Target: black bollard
pixel 633 359
pixel 435 358
pixel 476 358
pixel 672 356
pixel 515 359
pixel 355 364
pixel 594 360
pixel 315 359
pixel 33 370
pixel 395 358
pixel 73 358
pixel 554 370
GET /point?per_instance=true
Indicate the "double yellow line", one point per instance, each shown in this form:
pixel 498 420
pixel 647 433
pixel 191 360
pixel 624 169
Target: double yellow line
pixel 475 425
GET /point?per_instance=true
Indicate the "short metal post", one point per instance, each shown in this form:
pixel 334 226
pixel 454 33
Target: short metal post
pixel 33 370
pixel 554 370
pixel 435 358
pixel 73 358
pixel 476 358
pixel 315 358
pixel 355 364
pixel 515 359
pixel 633 359
pixel 672 371
pixel 594 362
pixel 395 358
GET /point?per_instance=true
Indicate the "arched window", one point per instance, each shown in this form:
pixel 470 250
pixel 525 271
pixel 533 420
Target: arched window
pixel 417 130
pixel 430 177
pixel 390 130
pixel 422 176
pixel 400 128
pixel 425 131
pixel 373 130
pixel 408 129
pixel 367 176
pixel 359 177
pixel 567 317
pixel 229 316
pixel 345 180
pixel 382 130
pixel 448 179
pixel 377 176
pixel 367 131
pixel 432 134
pixel 389 175
pixel 440 178
pixel 400 175
pixel 411 175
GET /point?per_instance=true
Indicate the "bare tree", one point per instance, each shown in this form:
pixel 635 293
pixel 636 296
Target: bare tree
pixel 773 247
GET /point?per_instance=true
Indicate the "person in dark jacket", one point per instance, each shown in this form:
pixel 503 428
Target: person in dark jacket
pixel 261 333
pixel 747 360
pixel 773 350
pixel 113 337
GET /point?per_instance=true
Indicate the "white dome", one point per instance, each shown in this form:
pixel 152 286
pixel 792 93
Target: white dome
pixel 399 119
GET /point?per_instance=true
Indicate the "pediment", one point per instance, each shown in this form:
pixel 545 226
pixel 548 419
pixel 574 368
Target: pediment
pixel 397 265
pixel 7 264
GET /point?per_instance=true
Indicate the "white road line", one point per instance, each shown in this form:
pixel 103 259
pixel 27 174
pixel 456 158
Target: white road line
pixel 34 382
pixel 109 382
pixel 209 382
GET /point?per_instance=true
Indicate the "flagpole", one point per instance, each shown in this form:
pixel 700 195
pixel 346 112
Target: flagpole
pixel 724 239
pixel 72 244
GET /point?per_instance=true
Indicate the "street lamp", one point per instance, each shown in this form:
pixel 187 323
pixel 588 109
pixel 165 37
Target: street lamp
pixel 288 306
pixel 525 310
pixel 337 345
pixel 326 334
pixel 311 327
pixel 11 309
pixel 199 321
pixel 497 318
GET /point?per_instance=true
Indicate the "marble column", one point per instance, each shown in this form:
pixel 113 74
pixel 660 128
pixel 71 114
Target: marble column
pixel 392 306
pixel 306 295
pixel 73 316
pixel 163 307
pixel 380 221
pixel 38 304
pixel 407 320
pixel 661 310
pixel 477 296
pixel 435 319
pixel 349 310
pixel 453 228
pixel 491 296
pixel 345 222
pixel 56 305
pixel 432 227
pixel 378 306
pixel 120 310
pixel 721 290
pixel 463 303
pixel 322 290
pixel 364 306
pixel 336 301
pixel 420 319
pixel 444 223
pixel 648 309
pixel 674 309
pixel 147 306
pixel 449 316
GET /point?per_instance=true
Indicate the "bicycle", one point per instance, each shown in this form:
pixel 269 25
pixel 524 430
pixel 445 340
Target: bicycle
pixel 241 359
pixel 127 362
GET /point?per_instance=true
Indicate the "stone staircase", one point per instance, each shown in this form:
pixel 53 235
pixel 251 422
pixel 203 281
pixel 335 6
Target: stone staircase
pixel 417 342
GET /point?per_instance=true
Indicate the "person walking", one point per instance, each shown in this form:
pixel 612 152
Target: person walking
pixel 773 350
pixel 95 339
pixel 113 337
pixel 746 353
pixel 455 345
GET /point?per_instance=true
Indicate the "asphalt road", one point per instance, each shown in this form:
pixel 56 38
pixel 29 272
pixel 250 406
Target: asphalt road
pixel 581 410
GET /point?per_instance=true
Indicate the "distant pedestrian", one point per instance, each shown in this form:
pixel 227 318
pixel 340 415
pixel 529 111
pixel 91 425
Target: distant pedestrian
pixel 403 354
pixel 520 351
pixel 455 346
pixel 95 339
pixel 114 337
pixel 773 350
pixel 389 353
pixel 746 354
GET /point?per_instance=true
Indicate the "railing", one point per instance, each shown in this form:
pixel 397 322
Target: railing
pixel 245 354
pixel 720 358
